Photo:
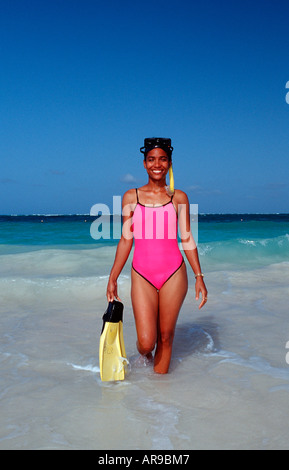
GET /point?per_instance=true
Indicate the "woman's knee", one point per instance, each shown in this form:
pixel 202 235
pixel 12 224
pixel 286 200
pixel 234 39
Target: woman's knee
pixel 146 344
pixel 166 338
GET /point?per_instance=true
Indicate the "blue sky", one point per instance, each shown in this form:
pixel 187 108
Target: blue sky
pixel 83 82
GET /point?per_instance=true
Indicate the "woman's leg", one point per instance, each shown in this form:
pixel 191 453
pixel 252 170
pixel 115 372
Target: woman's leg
pixel 171 297
pixel 145 308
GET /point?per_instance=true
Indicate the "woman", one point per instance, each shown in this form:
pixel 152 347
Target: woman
pixel 159 277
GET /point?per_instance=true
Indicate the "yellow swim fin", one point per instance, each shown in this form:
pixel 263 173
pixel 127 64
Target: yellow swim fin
pixel 112 357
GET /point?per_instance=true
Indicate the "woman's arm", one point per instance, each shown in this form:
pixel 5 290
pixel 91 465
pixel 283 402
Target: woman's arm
pixel 189 245
pixel 123 248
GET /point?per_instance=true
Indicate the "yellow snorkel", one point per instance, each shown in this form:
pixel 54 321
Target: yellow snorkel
pixel 172 182
pixel 170 189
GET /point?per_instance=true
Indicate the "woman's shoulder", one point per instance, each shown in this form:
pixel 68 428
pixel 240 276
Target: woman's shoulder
pixel 129 196
pixel 180 197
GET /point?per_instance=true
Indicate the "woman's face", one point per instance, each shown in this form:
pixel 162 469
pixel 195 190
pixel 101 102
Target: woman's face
pixel 157 164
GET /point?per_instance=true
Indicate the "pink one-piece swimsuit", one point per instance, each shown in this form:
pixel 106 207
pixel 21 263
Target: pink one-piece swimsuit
pixel 156 252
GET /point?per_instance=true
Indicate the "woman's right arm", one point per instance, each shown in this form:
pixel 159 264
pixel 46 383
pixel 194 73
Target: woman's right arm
pixel 123 248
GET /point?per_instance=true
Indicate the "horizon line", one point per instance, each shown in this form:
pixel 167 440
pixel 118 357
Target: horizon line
pixel 117 214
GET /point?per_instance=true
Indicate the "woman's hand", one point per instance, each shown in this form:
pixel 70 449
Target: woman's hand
pixel 201 288
pixel 111 291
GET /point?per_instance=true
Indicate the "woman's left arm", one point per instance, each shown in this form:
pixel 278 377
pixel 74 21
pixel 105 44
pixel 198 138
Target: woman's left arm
pixel 189 245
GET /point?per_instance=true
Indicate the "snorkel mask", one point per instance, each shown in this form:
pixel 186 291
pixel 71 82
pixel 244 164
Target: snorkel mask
pixel 165 144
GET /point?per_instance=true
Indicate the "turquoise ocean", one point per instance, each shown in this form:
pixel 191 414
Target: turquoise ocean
pixel 228 385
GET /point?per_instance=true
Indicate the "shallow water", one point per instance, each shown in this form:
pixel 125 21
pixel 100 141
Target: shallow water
pixel 228 386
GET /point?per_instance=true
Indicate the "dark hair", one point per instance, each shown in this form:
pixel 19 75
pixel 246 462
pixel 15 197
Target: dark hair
pixel 157 142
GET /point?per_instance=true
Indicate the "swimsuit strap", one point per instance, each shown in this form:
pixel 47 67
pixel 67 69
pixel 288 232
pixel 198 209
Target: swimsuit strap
pixel 137 199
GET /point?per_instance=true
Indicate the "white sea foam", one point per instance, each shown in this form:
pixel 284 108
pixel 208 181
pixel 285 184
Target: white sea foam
pixel 88 368
pixel 255 363
pixel 228 361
